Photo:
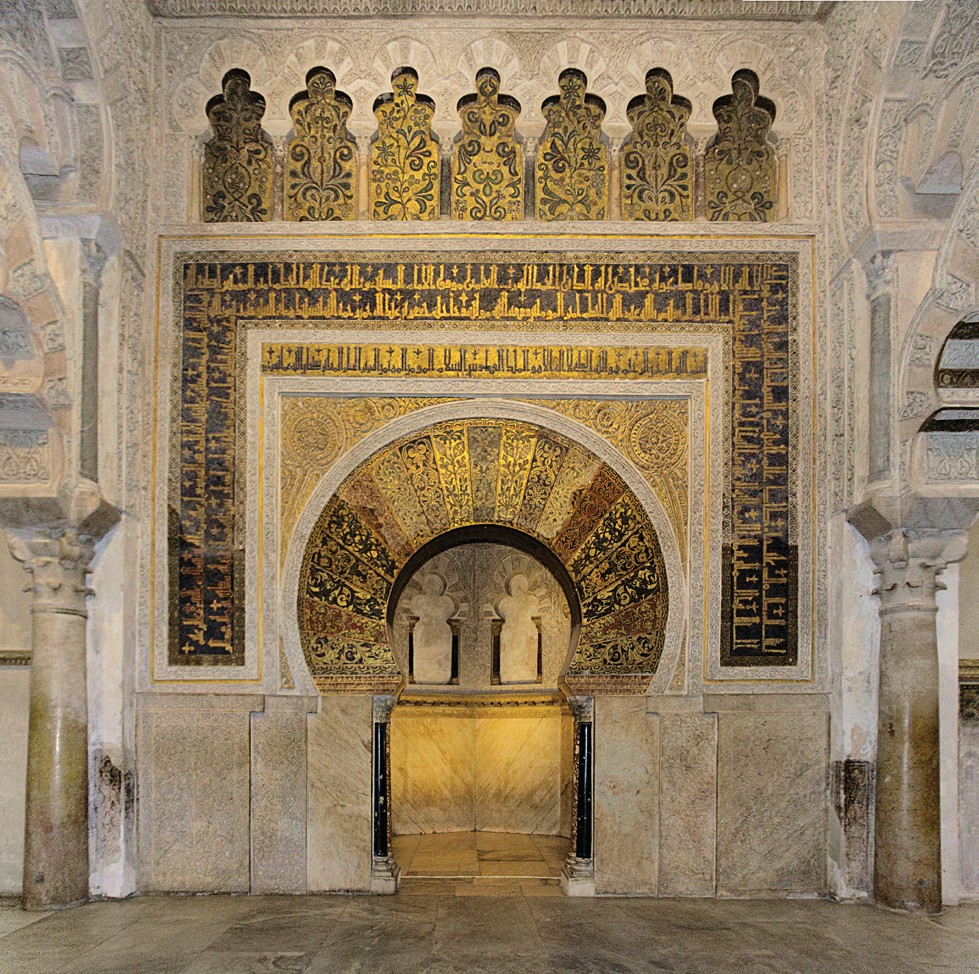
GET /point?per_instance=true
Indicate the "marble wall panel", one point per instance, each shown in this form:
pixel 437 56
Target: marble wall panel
pixel 627 743
pixel 338 795
pixel 969 809
pixel 432 771
pixel 193 777
pixel 15 683
pixel 771 802
pixel 465 769
pixel 518 773
pixel 687 804
pixel 567 773
pixel 279 796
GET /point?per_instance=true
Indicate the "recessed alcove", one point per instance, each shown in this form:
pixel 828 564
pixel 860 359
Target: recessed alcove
pixel 481 770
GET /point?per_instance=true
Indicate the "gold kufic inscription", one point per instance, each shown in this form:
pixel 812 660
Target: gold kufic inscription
pixel 486 361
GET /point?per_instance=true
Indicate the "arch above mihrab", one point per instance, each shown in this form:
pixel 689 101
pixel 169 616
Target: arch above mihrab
pixel 494 472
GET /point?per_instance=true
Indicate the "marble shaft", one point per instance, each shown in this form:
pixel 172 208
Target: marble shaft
pixel 56 854
pixel 907 871
pixel 907 824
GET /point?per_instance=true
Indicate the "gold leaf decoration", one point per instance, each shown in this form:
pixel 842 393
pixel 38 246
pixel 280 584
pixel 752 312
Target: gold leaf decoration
pixel 487 160
pixel 739 165
pixel 572 173
pixel 321 170
pixel 404 156
pixel 238 159
pixel 657 176
pixel 496 472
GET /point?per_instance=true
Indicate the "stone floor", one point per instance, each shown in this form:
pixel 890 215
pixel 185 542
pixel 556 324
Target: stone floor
pixel 480 864
pixel 450 934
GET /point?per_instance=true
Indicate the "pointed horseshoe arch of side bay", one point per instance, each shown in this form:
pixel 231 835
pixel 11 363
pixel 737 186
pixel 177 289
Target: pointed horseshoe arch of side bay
pixel 513 468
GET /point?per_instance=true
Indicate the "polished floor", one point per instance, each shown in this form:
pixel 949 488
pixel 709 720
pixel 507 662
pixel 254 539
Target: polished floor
pixel 481 863
pixel 451 934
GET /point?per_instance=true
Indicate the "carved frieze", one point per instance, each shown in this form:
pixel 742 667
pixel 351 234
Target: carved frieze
pixel 404 156
pixel 238 159
pixel 487 159
pixel 739 165
pixel 573 164
pixel 657 171
pixel 321 161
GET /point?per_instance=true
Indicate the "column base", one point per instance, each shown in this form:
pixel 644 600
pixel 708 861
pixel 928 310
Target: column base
pixel 578 876
pixel 385 875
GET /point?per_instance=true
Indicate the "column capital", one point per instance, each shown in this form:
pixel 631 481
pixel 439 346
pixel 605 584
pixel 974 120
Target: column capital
pixel 382 707
pixel 879 270
pixel 908 563
pixel 583 708
pixel 58 562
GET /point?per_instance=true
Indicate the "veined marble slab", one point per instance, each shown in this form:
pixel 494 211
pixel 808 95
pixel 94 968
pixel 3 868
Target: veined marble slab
pixel 627 743
pixel 771 800
pixel 338 795
pixel 687 804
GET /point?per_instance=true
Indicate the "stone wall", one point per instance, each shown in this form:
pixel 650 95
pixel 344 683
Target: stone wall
pixel 15 640
pixel 722 796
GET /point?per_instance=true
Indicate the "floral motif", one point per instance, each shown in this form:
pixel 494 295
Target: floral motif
pixel 321 178
pixel 657 177
pixel 739 165
pixel 487 160
pixel 572 161
pixel 238 160
pixel 404 159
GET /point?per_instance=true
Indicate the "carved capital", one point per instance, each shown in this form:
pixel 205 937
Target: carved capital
pixel 583 709
pixel 58 563
pixel 880 274
pixel 908 563
pixel 383 705
pixel 93 263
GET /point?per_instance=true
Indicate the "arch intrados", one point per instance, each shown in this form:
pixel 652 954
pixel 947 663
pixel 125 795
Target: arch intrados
pixel 489 408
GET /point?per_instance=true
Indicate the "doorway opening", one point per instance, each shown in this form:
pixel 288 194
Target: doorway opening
pixel 482 738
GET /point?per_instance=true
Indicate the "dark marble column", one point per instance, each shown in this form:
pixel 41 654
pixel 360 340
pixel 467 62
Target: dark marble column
pixel 907 826
pixel 385 873
pixel 578 876
pixel 56 867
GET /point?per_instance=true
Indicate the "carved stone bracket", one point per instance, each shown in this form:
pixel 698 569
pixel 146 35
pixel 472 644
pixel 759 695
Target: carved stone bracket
pixel 908 563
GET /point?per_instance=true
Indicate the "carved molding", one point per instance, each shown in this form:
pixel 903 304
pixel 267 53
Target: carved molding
pixel 15 657
pixel 790 10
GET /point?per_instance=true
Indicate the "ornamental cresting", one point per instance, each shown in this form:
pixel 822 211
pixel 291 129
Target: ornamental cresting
pixel 573 171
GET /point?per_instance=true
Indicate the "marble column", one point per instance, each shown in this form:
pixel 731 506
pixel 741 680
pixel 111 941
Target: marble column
pixel 907 825
pixel 578 875
pixel 385 873
pixel 56 866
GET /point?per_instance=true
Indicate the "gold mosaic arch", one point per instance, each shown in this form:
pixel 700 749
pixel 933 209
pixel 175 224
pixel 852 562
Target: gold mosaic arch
pixel 465 472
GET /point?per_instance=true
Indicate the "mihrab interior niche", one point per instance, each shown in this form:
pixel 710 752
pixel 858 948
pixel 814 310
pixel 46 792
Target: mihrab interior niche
pixel 482 741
